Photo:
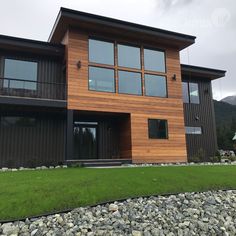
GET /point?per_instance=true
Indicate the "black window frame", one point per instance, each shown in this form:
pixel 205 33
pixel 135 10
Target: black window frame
pixel 189 95
pixel 101 91
pixel 25 59
pixel 103 40
pixel 117 43
pixel 137 72
pixel 145 88
pixel 193 127
pixel 166 127
pixel 154 49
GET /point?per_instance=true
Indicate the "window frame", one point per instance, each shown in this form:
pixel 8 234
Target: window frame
pixel 116 67
pixel 141 80
pixel 188 90
pixel 166 87
pixel 155 49
pixel 167 129
pixel 128 45
pixel 101 90
pixel 187 126
pixel 106 41
pixel 14 79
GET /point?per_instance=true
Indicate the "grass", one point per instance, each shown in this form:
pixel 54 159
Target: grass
pixel 28 193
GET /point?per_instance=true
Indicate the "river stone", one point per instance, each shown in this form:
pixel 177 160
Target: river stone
pixel 113 207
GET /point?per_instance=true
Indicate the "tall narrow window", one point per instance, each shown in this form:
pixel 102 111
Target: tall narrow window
pixel 129 56
pixel 101 52
pixel 157 129
pixel 185 92
pixel 155 85
pixel 193 92
pixel 154 60
pixel 130 82
pixel 20 74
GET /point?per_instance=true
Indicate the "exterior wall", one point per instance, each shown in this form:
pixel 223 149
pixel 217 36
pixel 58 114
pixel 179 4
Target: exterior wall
pixel 205 111
pixel 140 107
pixel 51 82
pixel 41 143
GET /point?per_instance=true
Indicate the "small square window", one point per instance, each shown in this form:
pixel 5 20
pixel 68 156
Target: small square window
pixel 157 129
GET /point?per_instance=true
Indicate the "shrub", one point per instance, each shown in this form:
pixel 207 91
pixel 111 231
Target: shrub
pixel 198 157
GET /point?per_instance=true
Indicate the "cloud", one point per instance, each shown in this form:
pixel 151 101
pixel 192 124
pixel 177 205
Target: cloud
pixel 213 22
pixel 169 4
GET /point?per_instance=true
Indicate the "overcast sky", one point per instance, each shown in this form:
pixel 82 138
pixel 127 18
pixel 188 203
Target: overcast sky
pixel 213 22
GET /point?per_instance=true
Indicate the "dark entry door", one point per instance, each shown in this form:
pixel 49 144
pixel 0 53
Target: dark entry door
pixel 85 141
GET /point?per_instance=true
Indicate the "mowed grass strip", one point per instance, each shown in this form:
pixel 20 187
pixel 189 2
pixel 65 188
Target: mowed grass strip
pixel 29 193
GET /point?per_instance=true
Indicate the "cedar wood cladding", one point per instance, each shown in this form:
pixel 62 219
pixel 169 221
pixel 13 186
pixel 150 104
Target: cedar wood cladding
pixel 140 107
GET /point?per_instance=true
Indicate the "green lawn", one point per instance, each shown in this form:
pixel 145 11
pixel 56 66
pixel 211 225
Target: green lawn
pixel 28 193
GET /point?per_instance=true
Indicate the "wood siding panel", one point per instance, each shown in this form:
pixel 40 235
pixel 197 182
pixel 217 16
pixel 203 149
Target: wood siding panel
pixel 140 107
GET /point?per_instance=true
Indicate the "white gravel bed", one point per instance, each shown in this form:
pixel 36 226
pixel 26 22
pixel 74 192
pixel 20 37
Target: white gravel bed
pixel 207 213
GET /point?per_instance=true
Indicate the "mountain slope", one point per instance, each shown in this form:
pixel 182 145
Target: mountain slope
pixel 225 115
pixel 230 99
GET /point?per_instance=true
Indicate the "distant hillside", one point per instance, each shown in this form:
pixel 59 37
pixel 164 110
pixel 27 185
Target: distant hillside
pixel 225 115
pixel 230 99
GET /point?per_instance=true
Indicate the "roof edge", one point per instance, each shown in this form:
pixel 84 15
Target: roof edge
pixel 74 13
pixel 208 72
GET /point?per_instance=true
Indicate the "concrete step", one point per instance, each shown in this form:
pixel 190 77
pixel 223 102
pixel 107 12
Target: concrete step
pixel 101 164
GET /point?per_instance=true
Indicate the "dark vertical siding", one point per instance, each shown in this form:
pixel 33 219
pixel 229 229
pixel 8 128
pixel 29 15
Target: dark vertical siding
pixel 50 74
pixel 42 143
pixel 205 112
pixel 108 147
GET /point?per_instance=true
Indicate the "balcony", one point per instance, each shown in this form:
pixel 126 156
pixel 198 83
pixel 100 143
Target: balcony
pixel 32 89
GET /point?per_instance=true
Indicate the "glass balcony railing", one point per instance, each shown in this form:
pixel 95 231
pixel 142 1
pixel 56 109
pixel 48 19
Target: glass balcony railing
pixel 32 89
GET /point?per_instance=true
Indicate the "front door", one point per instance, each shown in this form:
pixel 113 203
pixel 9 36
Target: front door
pixel 85 140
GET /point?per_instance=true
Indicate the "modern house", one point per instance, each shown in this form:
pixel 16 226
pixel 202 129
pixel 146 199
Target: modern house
pixel 102 89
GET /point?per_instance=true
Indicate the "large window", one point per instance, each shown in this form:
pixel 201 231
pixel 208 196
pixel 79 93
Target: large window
pixel 157 129
pixel 154 60
pixel 130 82
pixel 155 85
pixel 101 52
pixel 193 130
pixel 101 79
pixel 190 92
pixel 20 74
pixel 129 56
pixel 121 68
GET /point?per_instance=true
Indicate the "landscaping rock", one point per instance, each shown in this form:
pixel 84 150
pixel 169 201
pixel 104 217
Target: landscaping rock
pixel 208 213
pixel 113 207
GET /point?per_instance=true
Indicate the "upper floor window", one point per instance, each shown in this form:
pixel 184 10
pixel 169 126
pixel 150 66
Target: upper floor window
pixel 157 129
pixel 130 82
pixel 101 52
pixel 193 93
pixel 193 130
pixel 127 67
pixel 190 92
pixel 154 60
pixel 155 85
pixel 19 74
pixel 129 56
pixel 101 79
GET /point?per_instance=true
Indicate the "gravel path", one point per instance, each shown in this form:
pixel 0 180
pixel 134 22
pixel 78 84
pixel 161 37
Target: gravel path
pixel 208 213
